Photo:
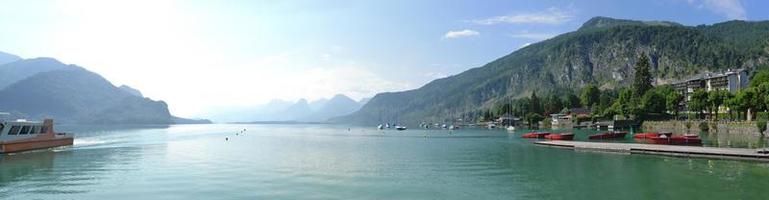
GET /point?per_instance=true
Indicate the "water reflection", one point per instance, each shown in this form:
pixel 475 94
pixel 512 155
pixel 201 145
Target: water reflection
pixel 74 169
pixel 733 140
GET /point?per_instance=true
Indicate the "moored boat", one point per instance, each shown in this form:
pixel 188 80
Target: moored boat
pixel 675 140
pixel 535 135
pixel 650 135
pixel 608 135
pixel 22 135
pixel 400 128
pixel 560 136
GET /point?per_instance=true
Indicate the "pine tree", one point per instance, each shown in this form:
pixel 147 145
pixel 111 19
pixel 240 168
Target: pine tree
pixel 642 81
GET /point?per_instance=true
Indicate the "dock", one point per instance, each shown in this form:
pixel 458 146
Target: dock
pixel 657 149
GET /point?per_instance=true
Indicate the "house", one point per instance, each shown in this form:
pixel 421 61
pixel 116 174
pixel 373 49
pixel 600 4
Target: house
pixel 560 121
pixel 508 120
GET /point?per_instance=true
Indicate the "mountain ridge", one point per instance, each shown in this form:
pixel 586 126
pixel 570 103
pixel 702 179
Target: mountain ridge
pixel 602 53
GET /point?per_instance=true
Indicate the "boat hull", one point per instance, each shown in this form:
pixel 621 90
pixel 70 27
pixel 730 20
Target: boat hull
pixel 568 136
pixel 609 135
pixel 24 145
pixel 676 140
pixel 535 135
pixel 650 135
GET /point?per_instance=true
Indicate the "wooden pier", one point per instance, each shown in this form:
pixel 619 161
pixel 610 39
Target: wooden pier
pixel 669 150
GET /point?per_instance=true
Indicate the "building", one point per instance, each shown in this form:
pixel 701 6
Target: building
pixel 560 121
pixel 731 80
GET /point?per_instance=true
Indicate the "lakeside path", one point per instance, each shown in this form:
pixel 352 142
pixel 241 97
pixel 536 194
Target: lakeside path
pixel 656 149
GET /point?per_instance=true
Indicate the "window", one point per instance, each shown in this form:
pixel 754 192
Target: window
pixel 33 130
pixel 14 130
pixel 24 130
pixel 1 128
pixel 44 129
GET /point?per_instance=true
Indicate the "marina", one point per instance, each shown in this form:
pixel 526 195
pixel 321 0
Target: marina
pixel 670 150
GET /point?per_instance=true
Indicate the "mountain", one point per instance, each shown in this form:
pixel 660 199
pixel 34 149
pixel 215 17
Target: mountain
pixel 603 52
pixel 363 101
pixel 76 95
pixel 8 58
pixel 21 69
pixel 337 106
pixel 317 104
pixel 299 110
pixel 47 88
pixel 179 120
pixel 131 90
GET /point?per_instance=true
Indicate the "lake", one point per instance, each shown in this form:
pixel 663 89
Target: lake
pixel 334 162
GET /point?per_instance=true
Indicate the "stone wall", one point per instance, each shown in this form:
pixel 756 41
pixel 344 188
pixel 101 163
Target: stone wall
pixel 721 127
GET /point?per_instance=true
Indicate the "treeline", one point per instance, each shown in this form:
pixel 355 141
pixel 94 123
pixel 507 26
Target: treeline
pixel 639 101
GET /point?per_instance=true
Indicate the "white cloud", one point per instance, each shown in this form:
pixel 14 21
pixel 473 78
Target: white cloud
pixel 550 16
pixel 532 36
pixel 435 75
pixel 731 9
pixel 460 34
pixel 526 45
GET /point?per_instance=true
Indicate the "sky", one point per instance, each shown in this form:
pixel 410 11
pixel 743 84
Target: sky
pixel 200 56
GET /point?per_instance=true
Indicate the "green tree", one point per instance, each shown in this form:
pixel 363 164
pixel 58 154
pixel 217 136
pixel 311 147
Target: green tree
pixel 741 101
pixel 672 100
pixel 761 125
pixel 590 96
pixel 571 101
pixel 626 104
pixel 698 102
pixel 642 81
pixel 552 104
pixel 759 78
pixel 716 99
pixel 652 102
pixel 533 119
pixel 535 105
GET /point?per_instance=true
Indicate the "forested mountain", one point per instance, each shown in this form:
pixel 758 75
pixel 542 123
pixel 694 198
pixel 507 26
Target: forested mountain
pixel 601 52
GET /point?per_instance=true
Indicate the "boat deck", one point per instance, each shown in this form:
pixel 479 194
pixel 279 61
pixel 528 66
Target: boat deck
pixel 670 150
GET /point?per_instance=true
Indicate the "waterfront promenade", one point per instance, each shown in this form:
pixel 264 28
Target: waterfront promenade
pixel 670 150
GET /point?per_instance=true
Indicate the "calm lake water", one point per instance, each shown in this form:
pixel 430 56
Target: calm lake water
pixel 330 162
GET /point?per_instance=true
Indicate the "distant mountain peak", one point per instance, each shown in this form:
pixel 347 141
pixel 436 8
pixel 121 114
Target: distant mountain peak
pixel 341 97
pixel 8 58
pixel 608 22
pixel 131 90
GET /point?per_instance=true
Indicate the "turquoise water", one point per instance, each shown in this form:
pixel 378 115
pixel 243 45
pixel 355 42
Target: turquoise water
pixel 330 162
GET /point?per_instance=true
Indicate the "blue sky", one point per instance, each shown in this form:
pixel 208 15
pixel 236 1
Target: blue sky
pixel 203 55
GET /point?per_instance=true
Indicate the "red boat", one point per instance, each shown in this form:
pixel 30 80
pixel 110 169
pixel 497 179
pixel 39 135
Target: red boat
pixel 562 136
pixel 676 140
pixel 650 135
pixel 535 135
pixel 608 135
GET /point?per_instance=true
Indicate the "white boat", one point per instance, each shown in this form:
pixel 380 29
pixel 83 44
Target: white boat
pixel 380 127
pixel 400 128
pixel 491 125
pixel 452 127
pixel 511 128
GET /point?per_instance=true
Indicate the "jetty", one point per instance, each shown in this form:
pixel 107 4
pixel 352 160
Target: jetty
pixel 656 149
